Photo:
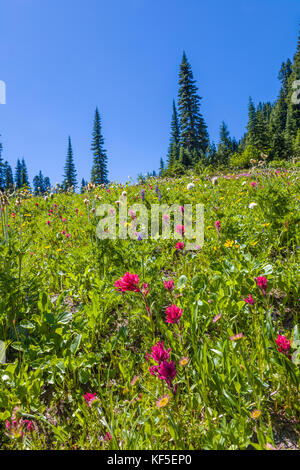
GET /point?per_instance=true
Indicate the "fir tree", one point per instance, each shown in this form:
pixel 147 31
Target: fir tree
pixel 225 145
pixel 194 137
pixel 293 111
pixel 18 175
pixel 70 172
pixel 161 167
pixel 9 179
pixel 24 174
pixel 99 170
pixel 83 185
pixel 174 147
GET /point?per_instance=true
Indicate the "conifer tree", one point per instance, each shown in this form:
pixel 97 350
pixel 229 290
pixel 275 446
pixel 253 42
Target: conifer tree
pixel 18 175
pixel 293 111
pixel 161 167
pixel 99 170
pixel 70 172
pixel 83 185
pixel 24 174
pixel 174 147
pixel 9 179
pixel 225 145
pixel 194 137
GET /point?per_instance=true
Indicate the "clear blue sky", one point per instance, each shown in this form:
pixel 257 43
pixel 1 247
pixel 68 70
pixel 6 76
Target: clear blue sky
pixel 62 58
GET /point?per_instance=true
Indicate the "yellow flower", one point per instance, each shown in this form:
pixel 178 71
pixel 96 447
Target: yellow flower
pixel 46 247
pixel 254 243
pixel 162 401
pixel 265 225
pixel 255 414
pixel 228 243
pixel 184 361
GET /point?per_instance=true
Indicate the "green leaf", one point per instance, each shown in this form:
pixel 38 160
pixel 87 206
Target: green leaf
pixel 75 343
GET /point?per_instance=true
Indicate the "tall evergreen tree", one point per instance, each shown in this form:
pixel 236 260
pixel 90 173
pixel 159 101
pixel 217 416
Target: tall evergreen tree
pixel 83 185
pixel 70 172
pixel 9 179
pixel 18 175
pixel 161 167
pixel 99 172
pixel 194 137
pixel 174 147
pixel 24 174
pixel 225 145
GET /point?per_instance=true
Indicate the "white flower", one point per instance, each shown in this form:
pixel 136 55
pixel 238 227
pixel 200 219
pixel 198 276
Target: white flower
pixel 252 205
pixel 214 179
pixel 124 194
pixel 190 186
pixel 243 183
pixel 168 189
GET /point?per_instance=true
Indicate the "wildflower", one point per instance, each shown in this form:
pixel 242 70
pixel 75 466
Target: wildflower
pixel 153 370
pixel 162 401
pixel 90 397
pixel 236 337
pixel 159 353
pixel 180 229
pixel 269 446
pixel 169 285
pixel 184 361
pixel 179 246
pixel 255 414
pixel 253 184
pixel 132 214
pixel 145 289
pixel 252 205
pixel 249 300
pixel 167 372
pixel 128 283
pixel 68 235
pixel 63 232
pixel 173 314
pixel 262 283
pixel 134 380
pixel 107 436
pixel 217 225
pixel 216 318
pixel 190 186
pixel 228 243
pixel 143 195
pixel 48 222
pixel 166 218
pixel 13 215
pixel 181 208
pixel 283 344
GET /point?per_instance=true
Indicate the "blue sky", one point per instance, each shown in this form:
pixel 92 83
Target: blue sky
pixel 62 58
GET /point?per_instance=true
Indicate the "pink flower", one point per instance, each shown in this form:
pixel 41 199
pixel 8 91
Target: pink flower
pixel 37 204
pixel 166 218
pixel 181 209
pixel 107 436
pixel 48 222
pixel 180 229
pixel 173 314
pixel 132 215
pixel 262 283
pixel 283 345
pixel 153 370
pixel 169 285
pixel 167 372
pixel 13 215
pixel 68 235
pixel 145 289
pixel 216 318
pixel 249 300
pixel 253 184
pixel 90 397
pixel 128 283
pixel 159 353
pixel 63 232
pixel 179 246
pixel 217 225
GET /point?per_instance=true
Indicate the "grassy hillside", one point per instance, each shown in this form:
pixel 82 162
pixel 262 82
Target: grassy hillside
pixel 93 363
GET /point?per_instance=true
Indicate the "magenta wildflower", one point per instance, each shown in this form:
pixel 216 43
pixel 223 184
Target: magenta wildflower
pixel 90 397
pixel 128 283
pixel 283 345
pixel 249 300
pixel 159 353
pixel 173 314
pixel 262 283
pixel 169 285
pixel 179 246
